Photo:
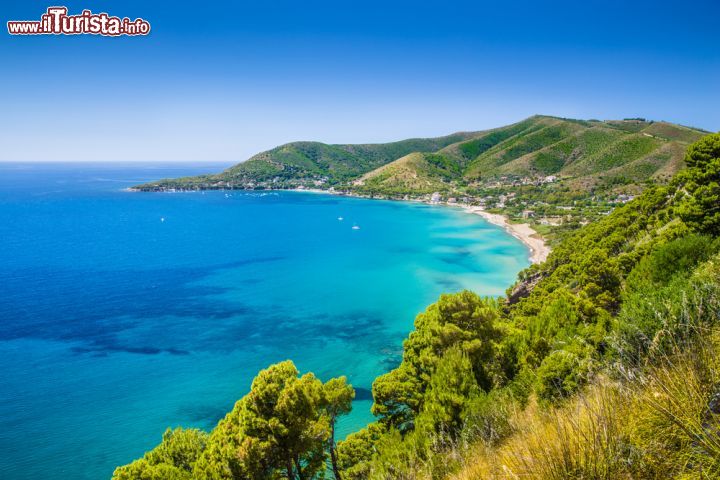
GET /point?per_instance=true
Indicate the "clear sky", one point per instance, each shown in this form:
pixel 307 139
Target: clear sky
pixel 220 81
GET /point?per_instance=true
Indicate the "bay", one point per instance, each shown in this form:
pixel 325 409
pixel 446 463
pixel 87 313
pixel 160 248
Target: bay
pixel 123 313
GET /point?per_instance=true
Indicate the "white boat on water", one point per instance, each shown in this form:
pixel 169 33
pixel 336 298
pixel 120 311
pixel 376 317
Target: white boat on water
pixel 355 227
pixel 340 219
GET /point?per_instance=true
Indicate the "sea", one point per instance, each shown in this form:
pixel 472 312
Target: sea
pixel 125 313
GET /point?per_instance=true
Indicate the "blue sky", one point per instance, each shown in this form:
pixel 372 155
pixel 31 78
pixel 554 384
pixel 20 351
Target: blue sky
pixel 220 81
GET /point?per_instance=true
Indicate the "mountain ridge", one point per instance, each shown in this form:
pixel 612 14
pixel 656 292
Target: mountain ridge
pixel 633 150
pixel 307 163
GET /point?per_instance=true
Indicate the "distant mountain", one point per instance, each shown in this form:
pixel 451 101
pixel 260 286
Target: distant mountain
pixel 588 155
pixel 309 163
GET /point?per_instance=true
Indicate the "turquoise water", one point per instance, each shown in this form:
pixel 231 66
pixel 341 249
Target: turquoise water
pixel 124 313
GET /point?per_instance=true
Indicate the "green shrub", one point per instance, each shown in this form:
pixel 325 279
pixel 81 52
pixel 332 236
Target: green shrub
pixel 655 317
pixel 675 258
pixel 700 186
pixel 561 374
pixel 173 459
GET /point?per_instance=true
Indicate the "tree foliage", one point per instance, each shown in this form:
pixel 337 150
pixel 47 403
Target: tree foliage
pixel 173 459
pixel 283 428
pixel 700 186
pixel 463 321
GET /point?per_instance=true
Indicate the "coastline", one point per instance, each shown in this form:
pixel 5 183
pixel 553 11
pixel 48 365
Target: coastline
pixel 539 250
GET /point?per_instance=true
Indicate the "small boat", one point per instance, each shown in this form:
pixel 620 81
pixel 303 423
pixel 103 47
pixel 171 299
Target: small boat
pixel 340 219
pixel 355 227
pixel 162 219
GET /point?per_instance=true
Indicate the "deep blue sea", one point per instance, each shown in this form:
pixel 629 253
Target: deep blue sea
pixel 124 313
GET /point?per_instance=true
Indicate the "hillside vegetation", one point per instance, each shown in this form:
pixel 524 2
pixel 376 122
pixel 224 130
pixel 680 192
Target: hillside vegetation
pixel 604 366
pixel 308 163
pixel 540 145
pixel 587 152
pixel 554 173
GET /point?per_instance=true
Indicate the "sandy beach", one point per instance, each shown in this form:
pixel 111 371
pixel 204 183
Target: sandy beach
pixel 522 231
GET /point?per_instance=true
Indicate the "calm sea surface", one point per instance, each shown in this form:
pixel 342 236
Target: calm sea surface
pixel 124 313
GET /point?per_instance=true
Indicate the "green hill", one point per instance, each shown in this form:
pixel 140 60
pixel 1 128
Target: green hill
pixel 308 164
pixel 557 174
pixel 586 152
pixel 417 173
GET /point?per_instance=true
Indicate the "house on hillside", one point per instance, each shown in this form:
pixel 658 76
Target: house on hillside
pixel 623 198
pixel 553 221
pixel 435 197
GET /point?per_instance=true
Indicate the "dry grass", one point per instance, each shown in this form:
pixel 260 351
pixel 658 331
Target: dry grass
pixel 658 424
pixel 579 440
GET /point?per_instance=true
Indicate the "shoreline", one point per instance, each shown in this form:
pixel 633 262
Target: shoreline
pixel 539 250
